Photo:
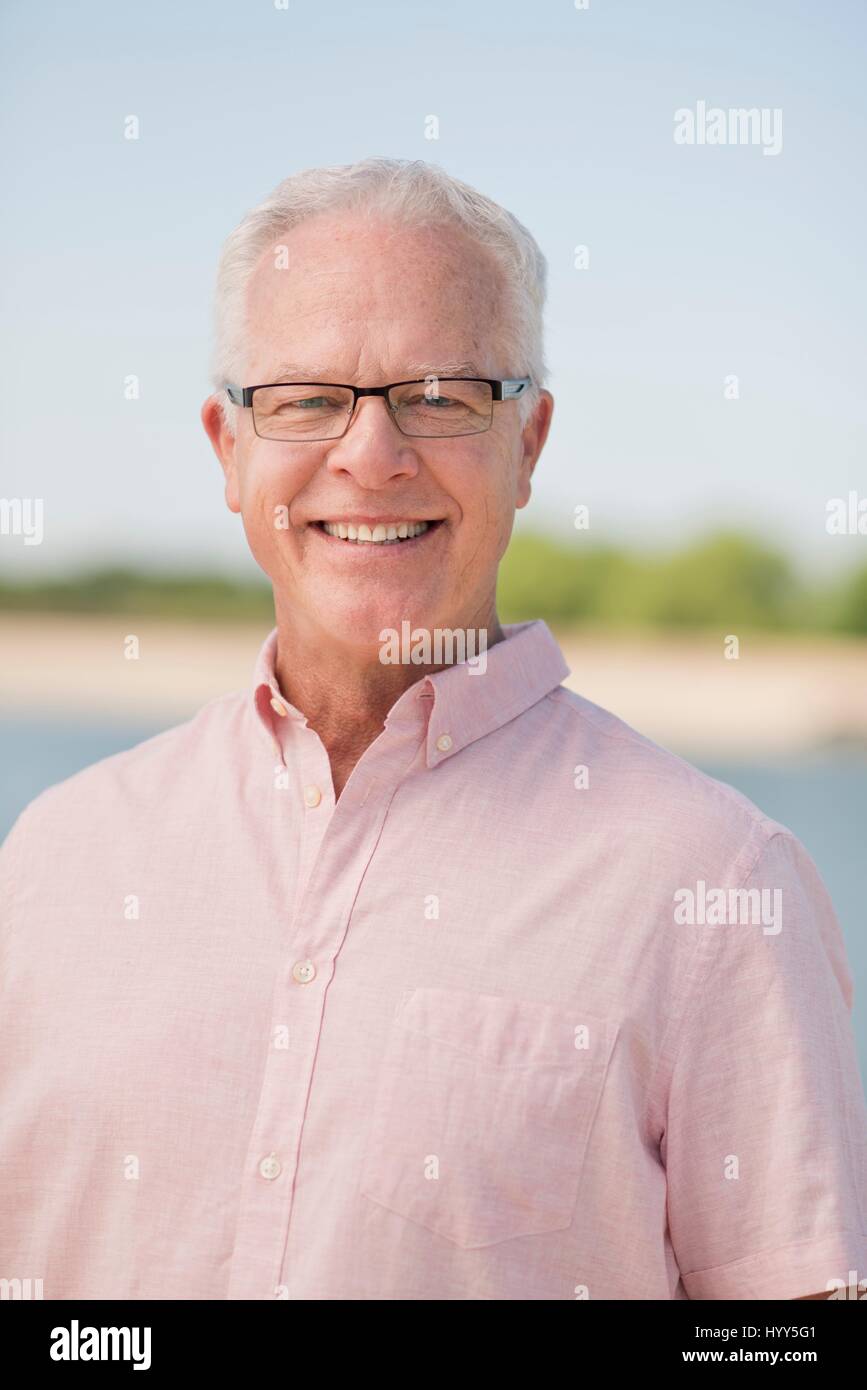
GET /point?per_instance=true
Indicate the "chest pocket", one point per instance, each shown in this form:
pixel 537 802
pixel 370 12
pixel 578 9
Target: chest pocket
pixel 482 1113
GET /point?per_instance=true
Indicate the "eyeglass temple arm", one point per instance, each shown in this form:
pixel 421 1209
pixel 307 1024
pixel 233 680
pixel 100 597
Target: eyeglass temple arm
pixel 511 389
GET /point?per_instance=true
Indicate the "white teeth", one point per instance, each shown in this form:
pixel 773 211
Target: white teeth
pixel 380 535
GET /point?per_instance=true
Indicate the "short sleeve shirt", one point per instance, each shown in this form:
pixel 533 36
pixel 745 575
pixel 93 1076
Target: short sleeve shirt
pixel 534 1010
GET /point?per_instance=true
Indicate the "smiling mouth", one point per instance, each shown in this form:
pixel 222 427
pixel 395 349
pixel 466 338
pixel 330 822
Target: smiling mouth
pixel 387 533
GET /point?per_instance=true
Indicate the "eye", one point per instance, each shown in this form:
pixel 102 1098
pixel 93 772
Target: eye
pixel 436 401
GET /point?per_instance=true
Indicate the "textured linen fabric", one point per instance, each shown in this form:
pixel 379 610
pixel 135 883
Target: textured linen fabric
pixel 441 1039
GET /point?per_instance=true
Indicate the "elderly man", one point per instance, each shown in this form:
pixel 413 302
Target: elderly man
pixel 400 979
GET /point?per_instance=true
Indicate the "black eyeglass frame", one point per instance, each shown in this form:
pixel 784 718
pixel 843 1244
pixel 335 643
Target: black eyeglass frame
pixel 505 389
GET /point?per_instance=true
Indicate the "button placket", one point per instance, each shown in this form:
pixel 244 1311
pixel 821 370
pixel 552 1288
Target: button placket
pixel 297 1002
pixel 313 775
pixel 335 850
pixel 273 1151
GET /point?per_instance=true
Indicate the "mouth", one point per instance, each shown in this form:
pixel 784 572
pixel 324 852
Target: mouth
pixel 377 535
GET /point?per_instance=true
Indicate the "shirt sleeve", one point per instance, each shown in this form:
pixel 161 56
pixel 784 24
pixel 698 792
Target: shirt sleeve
pixel 765 1145
pixel 16 861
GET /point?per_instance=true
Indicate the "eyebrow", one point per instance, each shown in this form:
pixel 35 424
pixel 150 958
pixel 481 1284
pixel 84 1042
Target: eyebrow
pixel 293 371
pixel 462 368
pixel 290 371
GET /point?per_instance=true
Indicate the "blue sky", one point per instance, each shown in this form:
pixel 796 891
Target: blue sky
pixel 704 261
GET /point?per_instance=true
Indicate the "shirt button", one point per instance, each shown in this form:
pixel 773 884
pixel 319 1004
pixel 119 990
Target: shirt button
pixel 270 1167
pixel 303 971
pixel 278 707
pixel 312 796
pixel 444 743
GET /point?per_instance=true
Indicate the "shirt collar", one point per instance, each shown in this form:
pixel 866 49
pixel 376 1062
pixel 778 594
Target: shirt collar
pixel 462 703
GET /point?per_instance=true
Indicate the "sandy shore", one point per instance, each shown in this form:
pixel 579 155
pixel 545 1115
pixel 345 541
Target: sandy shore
pixel 781 696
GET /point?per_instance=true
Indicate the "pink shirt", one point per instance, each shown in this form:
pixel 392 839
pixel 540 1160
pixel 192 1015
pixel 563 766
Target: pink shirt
pixel 468 1033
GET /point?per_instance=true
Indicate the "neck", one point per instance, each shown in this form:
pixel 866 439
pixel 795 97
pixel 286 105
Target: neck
pixel 344 691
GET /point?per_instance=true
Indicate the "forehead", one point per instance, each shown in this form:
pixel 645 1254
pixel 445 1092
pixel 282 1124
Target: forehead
pixel 346 297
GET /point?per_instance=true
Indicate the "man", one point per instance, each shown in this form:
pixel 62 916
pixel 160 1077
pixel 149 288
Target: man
pixel 441 982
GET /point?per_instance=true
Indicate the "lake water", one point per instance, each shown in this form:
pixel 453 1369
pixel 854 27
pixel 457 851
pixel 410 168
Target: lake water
pixel 822 799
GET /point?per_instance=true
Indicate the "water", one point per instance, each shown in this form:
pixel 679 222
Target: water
pixel 823 800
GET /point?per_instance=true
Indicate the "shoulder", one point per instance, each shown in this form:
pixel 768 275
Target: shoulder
pixel 109 792
pixel 646 790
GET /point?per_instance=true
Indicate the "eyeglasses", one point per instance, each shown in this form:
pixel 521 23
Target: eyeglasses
pixel 313 411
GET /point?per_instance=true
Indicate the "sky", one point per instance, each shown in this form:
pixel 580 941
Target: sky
pixel 706 261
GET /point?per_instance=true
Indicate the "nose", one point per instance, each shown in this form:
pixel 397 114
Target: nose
pixel 373 451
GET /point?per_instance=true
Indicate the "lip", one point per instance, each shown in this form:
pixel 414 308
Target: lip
pixel 358 519
pixel 365 549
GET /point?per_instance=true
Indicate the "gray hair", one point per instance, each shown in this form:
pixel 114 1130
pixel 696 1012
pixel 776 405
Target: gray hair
pixel 415 193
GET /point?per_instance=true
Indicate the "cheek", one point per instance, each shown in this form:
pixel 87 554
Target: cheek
pixel 482 482
pixel 268 484
pixel 258 509
pixel 487 501
pixel 266 491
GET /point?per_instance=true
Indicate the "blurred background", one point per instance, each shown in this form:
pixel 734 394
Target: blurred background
pixel 705 476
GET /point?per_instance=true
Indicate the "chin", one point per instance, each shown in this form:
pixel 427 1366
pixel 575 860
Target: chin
pixel 360 625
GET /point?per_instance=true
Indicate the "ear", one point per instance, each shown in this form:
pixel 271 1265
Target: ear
pixel 533 438
pixel 224 444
